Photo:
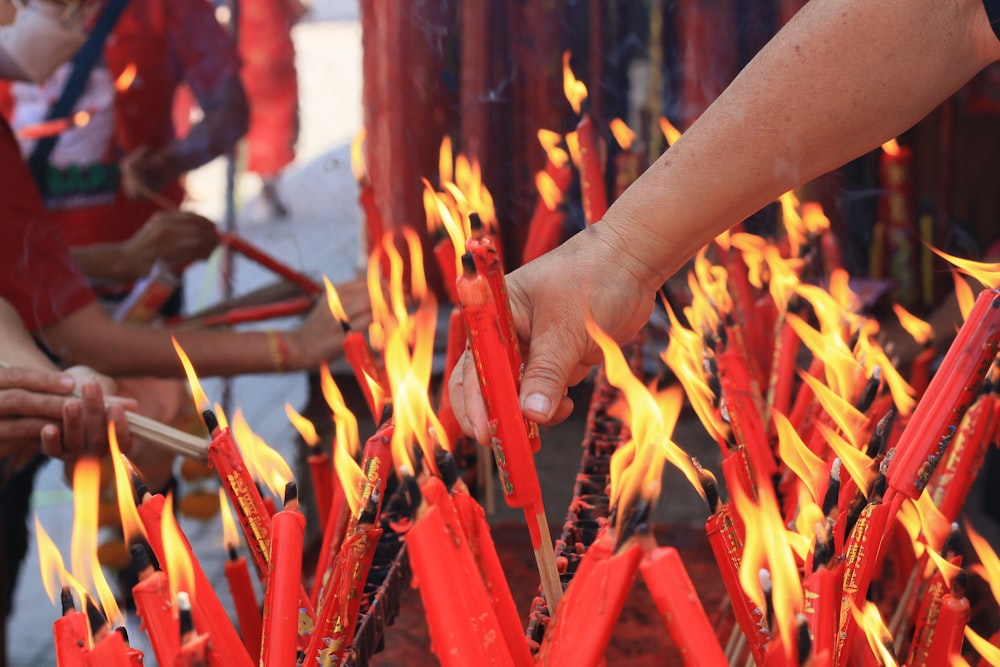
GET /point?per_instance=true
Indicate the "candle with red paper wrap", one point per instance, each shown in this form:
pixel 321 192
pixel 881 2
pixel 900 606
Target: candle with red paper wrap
pixel 359 355
pixel 453 351
pixel 320 469
pixel 545 231
pixel 594 192
pixel 156 610
pixel 280 629
pixel 245 602
pixel 109 652
pixel 193 646
pixel 949 629
pixel 897 221
pixel 927 615
pixel 955 474
pixel 511 447
pixel 679 606
pixel 69 633
pixel 581 627
pixel 463 626
pixel 444 253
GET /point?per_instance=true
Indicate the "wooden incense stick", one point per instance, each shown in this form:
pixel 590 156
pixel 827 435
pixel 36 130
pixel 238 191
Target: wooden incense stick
pixel 165 436
pixel 545 558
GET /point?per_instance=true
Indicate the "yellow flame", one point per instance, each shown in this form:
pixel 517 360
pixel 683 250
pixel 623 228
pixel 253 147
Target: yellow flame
pixel 933 524
pixel 909 519
pixel 752 248
pixel 180 570
pixel 988 557
pixel 575 90
pixel 840 290
pixel 197 393
pixel 264 462
pixel 305 427
pixel 947 569
pixel 418 281
pixel 790 218
pixel 963 292
pixel 358 167
pixel 446 171
pixel 891 147
pixel 622 133
pixel 671 133
pixel 548 190
pixel 220 414
pixel 132 526
pixel 550 143
pixel 83 545
pixel 333 302
pixel 125 79
pixel 879 638
pixel 856 462
pixel 916 327
pixel 81 118
pixel 346 445
pixel 784 276
pixel 840 365
pixel 54 573
pixel 573 146
pixel 873 355
pixel 435 206
pixel 380 308
pixel 230 534
pixel 846 416
pixel 989 652
pixel 988 273
pixel 806 465
pixel 684 357
pixel 814 218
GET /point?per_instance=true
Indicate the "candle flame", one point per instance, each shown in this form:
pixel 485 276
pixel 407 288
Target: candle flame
pixel 333 302
pixel 446 171
pixel 380 308
pixel 220 415
pixel 891 148
pixel 550 144
pixel 573 146
pixel 751 247
pixel 989 652
pixel 671 133
pixel 622 133
pixel 265 463
pixel 305 427
pixel 879 638
pixel 50 561
pixel 988 558
pixel 230 534
pixel 795 228
pixel 987 273
pixel 874 356
pixel 197 393
pixel 126 78
pixel 840 366
pixel 346 444
pixel 856 462
pixel 848 419
pixel 550 193
pixel 180 570
pixel 814 218
pixel 358 166
pixel 963 293
pixel 418 280
pixel 83 549
pixel 436 207
pixel 132 527
pixel 81 118
pixel 575 90
pixel 784 276
pixel 920 330
pixel 804 463
pixel 933 524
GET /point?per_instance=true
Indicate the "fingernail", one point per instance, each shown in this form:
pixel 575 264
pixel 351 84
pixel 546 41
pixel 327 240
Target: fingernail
pixel 67 382
pixel 538 404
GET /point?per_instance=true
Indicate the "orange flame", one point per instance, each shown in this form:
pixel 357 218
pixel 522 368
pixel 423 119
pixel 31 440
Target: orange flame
pixel 916 327
pixel 380 308
pixel 83 546
pixel 333 301
pixel 446 170
pixel 264 463
pixel 840 290
pixel 933 524
pixel 441 212
pixel 848 418
pixel 230 534
pixel 814 218
pixel 197 393
pixel 807 466
pixel 988 557
pixel 792 221
pixel 873 355
pixel 622 133
pixel 963 292
pixel 856 462
pixel 671 133
pixel 81 118
pixel 132 526
pixel 550 143
pixel 752 248
pixel 784 276
pixel 346 445
pixel 989 652
pixel 418 281
pixel 879 638
pixel 305 427
pixel 358 167
pixel 50 561
pixel 987 273
pixel 126 78
pixel 573 146
pixel 180 570
pixel 683 356
pixel 840 366
pixel 550 193
pixel 891 147
pixel 575 90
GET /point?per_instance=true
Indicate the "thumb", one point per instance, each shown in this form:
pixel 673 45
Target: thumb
pixel 549 370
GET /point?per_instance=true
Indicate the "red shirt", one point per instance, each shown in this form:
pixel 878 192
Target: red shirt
pixel 166 42
pixel 37 274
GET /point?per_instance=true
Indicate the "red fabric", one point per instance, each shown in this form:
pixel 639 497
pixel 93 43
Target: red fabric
pixel 168 42
pixel 37 275
pixel 271 84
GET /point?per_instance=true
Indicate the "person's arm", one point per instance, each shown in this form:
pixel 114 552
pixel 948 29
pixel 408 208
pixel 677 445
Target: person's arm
pixel 88 336
pixel 841 78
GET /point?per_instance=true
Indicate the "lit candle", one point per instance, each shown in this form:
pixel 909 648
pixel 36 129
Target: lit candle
pixel 156 609
pixel 954 476
pixel 453 351
pixel 280 630
pixel 949 629
pixel 193 646
pixel 679 606
pixel 897 218
pixel 925 627
pixel 247 612
pixel 69 633
pixel 593 189
pixel 359 355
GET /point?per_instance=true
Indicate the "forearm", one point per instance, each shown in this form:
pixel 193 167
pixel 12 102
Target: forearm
pixel 225 120
pixel 843 77
pixel 89 337
pixel 107 261
pixel 17 348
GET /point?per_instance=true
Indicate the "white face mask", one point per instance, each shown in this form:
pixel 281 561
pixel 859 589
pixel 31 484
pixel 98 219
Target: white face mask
pixel 41 38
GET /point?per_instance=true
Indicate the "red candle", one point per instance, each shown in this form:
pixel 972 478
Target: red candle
pixel 897 218
pixel 444 252
pixel 242 315
pixel 70 635
pixel 949 630
pixel 362 362
pixel 593 190
pixel 679 606
pixel 280 630
pixel 453 351
pixel 463 626
pixel 247 612
pixel 954 476
pixel 306 284
pixel 477 533
pixel 109 652
pixel 157 611
pixel 925 627
pixel 321 475
pixel 581 628
pixel 744 415
pixel 783 379
pixel 193 647
pixel 333 533
pixel 921 371
pixel 820 591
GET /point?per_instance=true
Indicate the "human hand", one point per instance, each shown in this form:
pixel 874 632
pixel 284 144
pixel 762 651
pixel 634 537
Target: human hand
pixel 145 171
pixel 551 299
pixel 321 337
pixel 176 237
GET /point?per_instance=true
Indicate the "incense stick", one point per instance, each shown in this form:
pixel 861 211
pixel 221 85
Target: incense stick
pixel 545 558
pixel 166 436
